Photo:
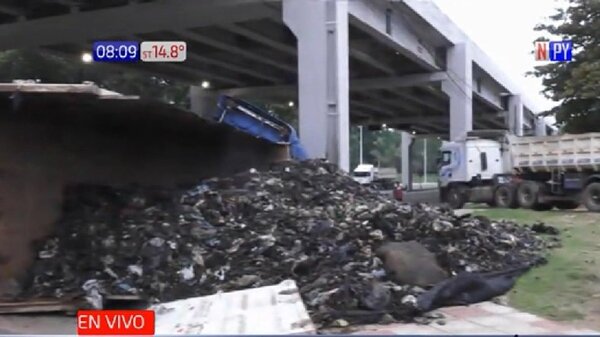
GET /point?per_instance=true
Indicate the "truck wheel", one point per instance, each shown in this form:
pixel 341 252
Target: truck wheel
pixel 566 204
pixel 456 197
pixel 505 197
pixel 591 197
pixel 527 194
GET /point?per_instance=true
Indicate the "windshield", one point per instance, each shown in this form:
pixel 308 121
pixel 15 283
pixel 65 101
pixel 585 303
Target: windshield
pixel 446 158
pixel 362 174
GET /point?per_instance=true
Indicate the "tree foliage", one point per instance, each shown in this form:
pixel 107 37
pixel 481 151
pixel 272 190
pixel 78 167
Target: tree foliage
pixel 576 84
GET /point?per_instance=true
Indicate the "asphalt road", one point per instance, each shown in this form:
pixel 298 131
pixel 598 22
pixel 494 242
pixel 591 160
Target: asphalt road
pixel 430 196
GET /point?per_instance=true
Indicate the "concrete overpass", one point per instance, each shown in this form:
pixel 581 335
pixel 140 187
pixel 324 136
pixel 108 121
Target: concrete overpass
pixel 368 62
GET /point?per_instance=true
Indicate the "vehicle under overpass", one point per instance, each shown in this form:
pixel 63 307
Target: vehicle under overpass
pixel 366 62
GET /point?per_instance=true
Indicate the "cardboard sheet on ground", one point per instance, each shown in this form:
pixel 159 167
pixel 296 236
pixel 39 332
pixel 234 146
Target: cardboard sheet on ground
pixel 274 309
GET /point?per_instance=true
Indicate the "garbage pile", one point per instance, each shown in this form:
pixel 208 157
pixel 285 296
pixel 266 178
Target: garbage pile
pixel 306 221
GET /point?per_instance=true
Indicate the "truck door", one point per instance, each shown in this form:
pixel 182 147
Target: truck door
pixel 448 162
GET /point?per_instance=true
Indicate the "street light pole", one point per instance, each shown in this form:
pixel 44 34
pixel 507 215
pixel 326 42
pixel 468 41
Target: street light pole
pixel 424 160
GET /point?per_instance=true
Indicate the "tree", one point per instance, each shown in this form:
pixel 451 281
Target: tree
pixel 385 147
pixel 34 65
pixel 576 84
pixel 48 68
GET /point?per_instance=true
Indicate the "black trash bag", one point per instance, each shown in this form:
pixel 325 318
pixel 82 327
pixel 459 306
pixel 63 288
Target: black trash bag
pixel 469 288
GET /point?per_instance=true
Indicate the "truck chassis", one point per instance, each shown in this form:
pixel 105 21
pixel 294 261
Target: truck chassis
pixel 530 190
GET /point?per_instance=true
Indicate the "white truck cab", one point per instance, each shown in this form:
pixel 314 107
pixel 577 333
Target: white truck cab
pixel 472 159
pixel 469 170
pixel 364 173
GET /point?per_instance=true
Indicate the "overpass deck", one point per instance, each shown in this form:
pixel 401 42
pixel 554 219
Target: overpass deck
pixel 399 63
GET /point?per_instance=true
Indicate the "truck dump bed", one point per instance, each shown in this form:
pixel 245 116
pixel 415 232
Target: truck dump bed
pixel 544 153
pixel 57 135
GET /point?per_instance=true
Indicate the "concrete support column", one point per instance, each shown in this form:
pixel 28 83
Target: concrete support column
pixel 321 29
pixel 515 114
pixel 203 102
pixel 459 89
pixel 406 143
pixel 540 126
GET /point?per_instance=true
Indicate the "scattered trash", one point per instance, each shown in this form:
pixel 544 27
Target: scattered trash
pixel 304 221
pixel 469 288
pixel 93 295
pixel 542 228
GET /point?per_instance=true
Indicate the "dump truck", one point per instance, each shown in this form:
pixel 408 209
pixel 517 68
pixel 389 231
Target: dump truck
pixel 535 172
pixel 253 120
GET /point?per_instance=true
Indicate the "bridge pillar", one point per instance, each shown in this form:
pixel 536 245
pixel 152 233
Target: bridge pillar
pixel 321 29
pixel 406 143
pixel 540 126
pixel 202 101
pixel 515 115
pixel 458 87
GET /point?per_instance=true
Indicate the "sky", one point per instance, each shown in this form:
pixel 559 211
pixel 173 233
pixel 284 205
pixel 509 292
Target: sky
pixel 503 29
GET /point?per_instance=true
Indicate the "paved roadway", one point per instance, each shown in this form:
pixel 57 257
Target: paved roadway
pixel 430 196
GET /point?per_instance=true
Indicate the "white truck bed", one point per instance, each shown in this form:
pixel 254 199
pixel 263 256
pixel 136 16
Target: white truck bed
pixel 544 153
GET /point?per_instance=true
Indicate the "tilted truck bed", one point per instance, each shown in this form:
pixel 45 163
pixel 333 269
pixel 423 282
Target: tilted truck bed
pixel 565 152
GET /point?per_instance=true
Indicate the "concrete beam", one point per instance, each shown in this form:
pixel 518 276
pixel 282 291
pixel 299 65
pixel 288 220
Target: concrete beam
pixel 488 91
pixel 257 37
pixel 127 20
pixel 421 119
pixel 369 59
pixel 189 35
pixel 355 85
pixel 429 104
pixel 244 70
pixel 370 16
pixel 393 104
pixel 399 81
pixel 355 52
pixel 211 75
pixel 487 102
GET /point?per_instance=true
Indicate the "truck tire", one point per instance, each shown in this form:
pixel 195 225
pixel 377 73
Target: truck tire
pixel 591 197
pixel 456 197
pixel 527 194
pixel 566 204
pixel 505 196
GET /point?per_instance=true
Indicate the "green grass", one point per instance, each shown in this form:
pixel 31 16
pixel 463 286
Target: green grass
pixel 568 287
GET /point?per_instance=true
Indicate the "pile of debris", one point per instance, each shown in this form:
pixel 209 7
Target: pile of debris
pixel 306 221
